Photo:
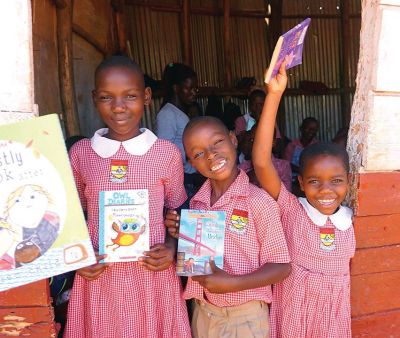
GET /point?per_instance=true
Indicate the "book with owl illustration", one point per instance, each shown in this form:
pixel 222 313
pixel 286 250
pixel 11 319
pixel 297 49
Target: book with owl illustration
pixel 290 48
pixel 201 238
pixel 123 224
pixel 43 232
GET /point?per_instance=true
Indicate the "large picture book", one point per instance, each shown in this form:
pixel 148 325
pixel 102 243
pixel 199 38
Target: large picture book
pixel 290 48
pixel 123 224
pixel 43 231
pixel 201 238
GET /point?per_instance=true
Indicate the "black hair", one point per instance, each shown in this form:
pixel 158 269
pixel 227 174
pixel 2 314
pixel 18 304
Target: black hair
pixel 256 93
pixel 308 120
pixel 204 120
pixel 231 113
pixel 118 61
pixel 175 74
pixel 323 148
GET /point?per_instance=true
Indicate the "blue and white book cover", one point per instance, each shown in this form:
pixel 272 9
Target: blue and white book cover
pixel 123 224
pixel 201 238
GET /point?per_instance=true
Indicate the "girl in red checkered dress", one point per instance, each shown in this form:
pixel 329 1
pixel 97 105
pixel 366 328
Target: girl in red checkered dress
pixel 314 301
pixel 127 299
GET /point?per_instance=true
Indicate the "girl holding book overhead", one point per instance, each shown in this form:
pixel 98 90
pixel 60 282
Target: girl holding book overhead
pixel 314 301
pixel 137 298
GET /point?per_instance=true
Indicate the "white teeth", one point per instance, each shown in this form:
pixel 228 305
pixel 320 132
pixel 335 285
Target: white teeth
pixel 218 166
pixel 326 202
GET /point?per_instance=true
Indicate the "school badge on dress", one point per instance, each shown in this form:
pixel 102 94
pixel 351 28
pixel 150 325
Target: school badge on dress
pixel 118 171
pixel 327 238
pixel 239 221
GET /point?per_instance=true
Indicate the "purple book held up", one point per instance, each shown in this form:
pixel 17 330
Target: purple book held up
pixel 290 48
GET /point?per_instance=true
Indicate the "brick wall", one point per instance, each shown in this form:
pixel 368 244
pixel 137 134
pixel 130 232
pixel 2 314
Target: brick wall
pixel 375 268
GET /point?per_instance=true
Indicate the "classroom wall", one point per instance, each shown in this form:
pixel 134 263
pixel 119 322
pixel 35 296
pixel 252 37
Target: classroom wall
pixel 93 37
pixel 155 33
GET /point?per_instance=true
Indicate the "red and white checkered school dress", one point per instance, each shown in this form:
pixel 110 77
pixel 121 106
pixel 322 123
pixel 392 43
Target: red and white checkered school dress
pixel 258 240
pixel 128 300
pixel 314 301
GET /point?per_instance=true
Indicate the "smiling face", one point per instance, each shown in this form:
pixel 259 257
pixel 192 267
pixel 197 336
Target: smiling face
pixel 120 97
pixel 325 182
pixel 211 149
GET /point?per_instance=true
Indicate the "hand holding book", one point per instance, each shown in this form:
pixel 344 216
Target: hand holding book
pixel 218 281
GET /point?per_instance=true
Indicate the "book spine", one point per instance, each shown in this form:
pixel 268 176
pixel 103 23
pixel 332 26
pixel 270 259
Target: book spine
pixel 102 247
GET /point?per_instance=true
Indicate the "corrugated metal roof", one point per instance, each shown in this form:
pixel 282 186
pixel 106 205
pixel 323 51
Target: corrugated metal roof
pixel 156 40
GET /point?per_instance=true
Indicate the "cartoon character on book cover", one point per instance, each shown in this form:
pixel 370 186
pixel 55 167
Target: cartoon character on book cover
pixel 42 232
pixel 29 226
pixel 32 204
pixel 123 224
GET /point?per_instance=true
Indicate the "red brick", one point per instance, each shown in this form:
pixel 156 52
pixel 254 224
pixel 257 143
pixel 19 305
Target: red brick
pixel 376 292
pixel 373 231
pixel 376 260
pixel 34 294
pixel 378 194
pixel 377 325
pixel 34 322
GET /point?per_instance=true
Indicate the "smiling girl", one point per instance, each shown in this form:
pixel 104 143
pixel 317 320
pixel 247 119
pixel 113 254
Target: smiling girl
pixel 314 301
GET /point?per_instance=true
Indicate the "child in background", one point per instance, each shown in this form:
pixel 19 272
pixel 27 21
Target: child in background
pixel 314 301
pixel 282 166
pixel 308 129
pixel 127 299
pixel 180 83
pixel 233 302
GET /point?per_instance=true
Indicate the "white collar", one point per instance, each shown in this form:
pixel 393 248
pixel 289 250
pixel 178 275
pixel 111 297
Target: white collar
pixel 139 145
pixel 341 219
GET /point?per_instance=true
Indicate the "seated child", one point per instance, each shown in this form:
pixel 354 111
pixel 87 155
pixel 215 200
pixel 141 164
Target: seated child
pixel 233 302
pixel 281 166
pixel 314 301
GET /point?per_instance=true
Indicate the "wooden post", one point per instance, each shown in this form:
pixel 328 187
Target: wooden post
pixel 227 44
pixel 187 45
pixel 65 66
pixel 120 28
pixel 344 63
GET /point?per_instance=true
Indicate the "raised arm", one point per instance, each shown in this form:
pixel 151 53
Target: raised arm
pixel 262 147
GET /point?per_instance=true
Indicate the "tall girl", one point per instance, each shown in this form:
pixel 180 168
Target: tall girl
pixel 129 299
pixel 314 301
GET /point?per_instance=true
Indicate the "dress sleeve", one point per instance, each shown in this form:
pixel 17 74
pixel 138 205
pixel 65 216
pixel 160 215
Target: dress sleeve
pixel 270 231
pixel 286 175
pixel 240 125
pixel 80 185
pixel 288 154
pixel 166 125
pixel 175 193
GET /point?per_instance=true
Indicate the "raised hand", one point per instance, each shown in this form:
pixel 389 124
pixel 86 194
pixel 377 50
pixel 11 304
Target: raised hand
pixel 278 83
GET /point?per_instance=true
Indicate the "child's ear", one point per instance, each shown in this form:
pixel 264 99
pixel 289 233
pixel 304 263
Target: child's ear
pixel 233 138
pixel 147 96
pixel 300 179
